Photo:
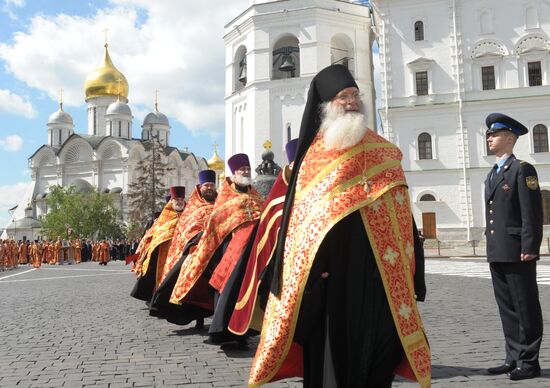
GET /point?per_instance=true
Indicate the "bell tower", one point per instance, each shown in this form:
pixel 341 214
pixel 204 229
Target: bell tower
pixel 273 50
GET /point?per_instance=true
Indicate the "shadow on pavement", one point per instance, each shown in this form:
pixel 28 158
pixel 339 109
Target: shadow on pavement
pixel 190 331
pixel 445 371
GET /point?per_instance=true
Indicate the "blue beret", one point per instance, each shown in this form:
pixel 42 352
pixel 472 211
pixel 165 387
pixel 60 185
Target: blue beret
pixel 290 148
pixel 207 176
pixel 237 161
pixel 500 122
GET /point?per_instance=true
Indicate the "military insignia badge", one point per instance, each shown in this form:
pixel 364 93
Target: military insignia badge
pixel 505 187
pixel 532 182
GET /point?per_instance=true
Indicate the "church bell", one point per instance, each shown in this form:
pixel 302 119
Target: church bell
pixel 288 64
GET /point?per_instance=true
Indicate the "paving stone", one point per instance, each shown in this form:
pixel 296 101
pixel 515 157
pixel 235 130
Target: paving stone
pixel 101 337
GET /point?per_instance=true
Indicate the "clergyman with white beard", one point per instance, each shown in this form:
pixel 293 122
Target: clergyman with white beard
pixel 347 242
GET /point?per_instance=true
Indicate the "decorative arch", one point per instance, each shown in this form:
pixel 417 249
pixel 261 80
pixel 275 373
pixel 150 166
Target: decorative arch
pixel 532 42
pixel 240 69
pixel 81 186
pixel 191 162
pixel 488 47
pixel 342 51
pixel 78 151
pixel 286 57
pixel 109 150
pixel 46 157
pixel 427 196
pixel 136 154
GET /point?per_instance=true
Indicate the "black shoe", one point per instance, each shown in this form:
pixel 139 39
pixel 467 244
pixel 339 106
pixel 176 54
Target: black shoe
pixel 200 324
pixel 524 373
pixel 501 369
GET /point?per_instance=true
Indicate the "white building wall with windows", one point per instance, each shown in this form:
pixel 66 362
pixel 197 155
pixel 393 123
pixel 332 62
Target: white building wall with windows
pixel 511 40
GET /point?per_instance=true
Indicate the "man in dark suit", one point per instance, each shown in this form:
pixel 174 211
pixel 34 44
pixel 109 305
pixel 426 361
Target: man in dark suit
pixel 514 233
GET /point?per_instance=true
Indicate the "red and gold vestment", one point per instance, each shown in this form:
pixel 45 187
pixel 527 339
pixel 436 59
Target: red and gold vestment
pixel 231 210
pixel 331 185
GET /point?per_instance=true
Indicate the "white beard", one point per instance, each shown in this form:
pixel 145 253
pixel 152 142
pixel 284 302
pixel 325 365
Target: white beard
pixel 242 180
pixel 178 207
pixel 341 129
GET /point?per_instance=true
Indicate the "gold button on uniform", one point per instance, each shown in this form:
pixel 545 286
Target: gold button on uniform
pixel 491 221
pixel 492 232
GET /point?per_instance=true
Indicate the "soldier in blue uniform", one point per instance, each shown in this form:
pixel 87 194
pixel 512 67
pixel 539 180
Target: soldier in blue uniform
pixel 514 234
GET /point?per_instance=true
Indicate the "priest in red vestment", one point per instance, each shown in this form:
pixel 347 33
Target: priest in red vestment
pixel 232 221
pixel 347 276
pixel 250 302
pixel 152 254
pixel 188 232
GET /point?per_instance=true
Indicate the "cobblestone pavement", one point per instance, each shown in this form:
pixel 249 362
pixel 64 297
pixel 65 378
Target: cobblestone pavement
pixel 77 326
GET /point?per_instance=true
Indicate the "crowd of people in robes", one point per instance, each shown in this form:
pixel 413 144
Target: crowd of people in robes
pixel 62 251
pixel 327 269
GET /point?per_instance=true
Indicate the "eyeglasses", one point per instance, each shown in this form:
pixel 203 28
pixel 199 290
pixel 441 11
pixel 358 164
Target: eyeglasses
pixel 349 97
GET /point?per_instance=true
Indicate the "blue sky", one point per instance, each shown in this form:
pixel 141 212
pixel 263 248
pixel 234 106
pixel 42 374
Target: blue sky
pixel 174 46
pixel 46 45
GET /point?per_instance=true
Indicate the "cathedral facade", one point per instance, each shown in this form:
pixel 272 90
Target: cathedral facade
pixel 104 158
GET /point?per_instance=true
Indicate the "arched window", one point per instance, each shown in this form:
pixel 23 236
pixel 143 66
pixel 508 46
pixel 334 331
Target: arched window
pixel 545 207
pixel 418 30
pixel 240 68
pixel 540 138
pixel 425 146
pixel 286 58
pixel 427 197
pixel 341 51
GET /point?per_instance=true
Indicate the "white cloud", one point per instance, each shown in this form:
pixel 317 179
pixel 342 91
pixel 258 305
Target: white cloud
pixel 11 143
pixel 174 46
pixel 16 3
pixel 15 104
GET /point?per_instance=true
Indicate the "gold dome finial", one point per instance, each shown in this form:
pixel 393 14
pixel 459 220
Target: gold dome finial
pixel 103 81
pixel 215 162
pixel 267 144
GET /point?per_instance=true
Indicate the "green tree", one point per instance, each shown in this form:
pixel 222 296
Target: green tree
pixel 85 214
pixel 146 194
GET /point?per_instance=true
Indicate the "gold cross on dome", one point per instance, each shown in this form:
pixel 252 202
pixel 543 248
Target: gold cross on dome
pixel 61 99
pixel 105 30
pixel 156 99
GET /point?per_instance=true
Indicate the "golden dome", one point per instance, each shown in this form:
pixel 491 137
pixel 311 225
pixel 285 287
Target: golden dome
pixel 106 80
pixel 216 163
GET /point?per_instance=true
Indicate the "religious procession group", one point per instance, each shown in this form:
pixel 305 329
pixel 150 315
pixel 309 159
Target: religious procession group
pixel 57 252
pixel 328 268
